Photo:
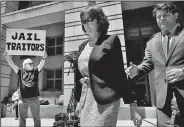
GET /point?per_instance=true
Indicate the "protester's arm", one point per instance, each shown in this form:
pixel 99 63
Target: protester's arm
pixel 10 62
pixel 42 62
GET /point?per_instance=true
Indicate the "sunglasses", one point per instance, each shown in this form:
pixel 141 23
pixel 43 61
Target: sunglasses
pixel 30 63
pixel 87 20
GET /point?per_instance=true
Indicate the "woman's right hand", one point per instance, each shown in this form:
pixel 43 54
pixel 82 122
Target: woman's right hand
pixel 137 119
pixel 78 109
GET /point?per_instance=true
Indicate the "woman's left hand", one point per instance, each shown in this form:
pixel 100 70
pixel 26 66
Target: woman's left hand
pixel 137 119
pixel 78 109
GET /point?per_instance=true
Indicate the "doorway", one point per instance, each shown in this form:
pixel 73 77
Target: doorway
pixel 139 26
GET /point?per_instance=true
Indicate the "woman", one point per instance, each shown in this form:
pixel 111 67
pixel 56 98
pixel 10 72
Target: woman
pixel 100 73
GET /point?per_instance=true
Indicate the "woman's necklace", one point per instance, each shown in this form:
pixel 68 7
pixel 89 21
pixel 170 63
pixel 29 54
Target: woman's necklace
pixel 93 41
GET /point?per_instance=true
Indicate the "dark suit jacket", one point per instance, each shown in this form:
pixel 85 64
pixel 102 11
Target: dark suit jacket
pixel 106 71
pixel 155 59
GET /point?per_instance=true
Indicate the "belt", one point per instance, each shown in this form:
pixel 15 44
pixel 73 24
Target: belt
pixel 30 98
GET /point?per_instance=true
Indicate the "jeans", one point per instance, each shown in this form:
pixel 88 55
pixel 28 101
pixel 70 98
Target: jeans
pixel 34 105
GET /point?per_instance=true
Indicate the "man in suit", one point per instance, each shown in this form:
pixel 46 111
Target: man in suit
pixel 165 54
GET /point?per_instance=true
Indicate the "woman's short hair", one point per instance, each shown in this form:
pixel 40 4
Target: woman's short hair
pixel 168 7
pixel 95 12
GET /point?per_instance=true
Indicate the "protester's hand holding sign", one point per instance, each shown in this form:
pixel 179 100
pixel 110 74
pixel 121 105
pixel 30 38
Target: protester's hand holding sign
pixel 31 43
pixel 42 62
pixel 45 55
pixel 5 53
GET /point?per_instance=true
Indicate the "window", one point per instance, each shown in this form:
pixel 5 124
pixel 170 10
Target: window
pixel 55 46
pixel 24 4
pixel 138 31
pixel 54 79
pixel 27 4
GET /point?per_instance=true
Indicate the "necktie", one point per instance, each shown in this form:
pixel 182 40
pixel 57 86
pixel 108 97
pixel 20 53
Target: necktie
pixel 165 44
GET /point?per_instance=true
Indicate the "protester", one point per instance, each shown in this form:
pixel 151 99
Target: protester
pixel 29 91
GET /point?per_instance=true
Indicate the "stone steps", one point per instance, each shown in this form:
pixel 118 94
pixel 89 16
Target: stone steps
pixel 46 111
pixel 145 112
pixel 46 122
pixel 52 96
pixel 124 119
pixel 49 111
pixel 129 123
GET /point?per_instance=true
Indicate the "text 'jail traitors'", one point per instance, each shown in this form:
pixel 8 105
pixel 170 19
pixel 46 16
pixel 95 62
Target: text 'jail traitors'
pixel 25 46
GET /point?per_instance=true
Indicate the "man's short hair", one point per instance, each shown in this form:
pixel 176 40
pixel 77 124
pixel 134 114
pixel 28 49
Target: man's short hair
pixel 168 7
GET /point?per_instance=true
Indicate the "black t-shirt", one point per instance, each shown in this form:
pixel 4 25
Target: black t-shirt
pixel 28 82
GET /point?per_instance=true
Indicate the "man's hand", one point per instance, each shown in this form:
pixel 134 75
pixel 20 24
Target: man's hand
pixel 132 71
pixel 174 75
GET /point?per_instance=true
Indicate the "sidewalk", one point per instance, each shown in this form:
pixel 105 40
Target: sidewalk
pixel 128 123
pixel 11 122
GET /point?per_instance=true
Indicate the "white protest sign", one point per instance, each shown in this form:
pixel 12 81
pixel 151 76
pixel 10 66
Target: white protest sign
pixel 25 42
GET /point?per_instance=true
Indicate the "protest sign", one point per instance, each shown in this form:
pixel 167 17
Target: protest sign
pixel 25 42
